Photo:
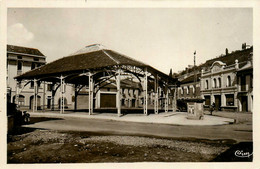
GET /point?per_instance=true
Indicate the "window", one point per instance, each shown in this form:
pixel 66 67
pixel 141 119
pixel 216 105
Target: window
pixel 228 81
pixel 32 66
pixel 181 90
pixel 38 83
pixel 32 84
pixel 21 100
pixel 19 57
pixel 19 65
pixel 188 89
pixel 251 81
pixel 243 83
pixel 193 89
pixel 207 100
pixel 49 87
pixel 214 83
pixel 20 84
pixel 207 84
pixel 36 59
pixel 229 99
pixel 219 82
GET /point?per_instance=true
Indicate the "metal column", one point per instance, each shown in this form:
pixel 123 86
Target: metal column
pixel 16 93
pixel 61 94
pixel 166 105
pixel 156 94
pixel 118 94
pixel 145 92
pixel 90 100
pixel 44 90
pixel 34 94
pixel 174 105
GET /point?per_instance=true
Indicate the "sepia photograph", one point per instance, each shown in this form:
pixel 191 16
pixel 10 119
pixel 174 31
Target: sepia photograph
pixel 129 85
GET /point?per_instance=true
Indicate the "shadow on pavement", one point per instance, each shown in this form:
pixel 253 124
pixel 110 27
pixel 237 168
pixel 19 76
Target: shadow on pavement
pixel 41 119
pixel 18 130
pixel 241 152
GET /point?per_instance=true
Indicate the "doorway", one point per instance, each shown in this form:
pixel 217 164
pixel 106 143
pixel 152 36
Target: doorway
pixel 244 103
pixel 217 102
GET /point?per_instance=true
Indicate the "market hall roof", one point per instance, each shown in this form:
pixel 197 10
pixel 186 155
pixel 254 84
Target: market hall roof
pixel 91 57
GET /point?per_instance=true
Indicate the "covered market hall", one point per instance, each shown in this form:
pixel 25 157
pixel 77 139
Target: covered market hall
pixel 95 68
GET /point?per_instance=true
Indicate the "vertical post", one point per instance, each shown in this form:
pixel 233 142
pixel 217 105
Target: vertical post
pixel 145 92
pixel 90 87
pixel 52 96
pixel 36 98
pixel 63 92
pixel 16 93
pixel 34 93
pixel 195 74
pixel 75 98
pixel 166 99
pixel 156 94
pixel 175 99
pixel 61 95
pixel 118 94
pixel 44 96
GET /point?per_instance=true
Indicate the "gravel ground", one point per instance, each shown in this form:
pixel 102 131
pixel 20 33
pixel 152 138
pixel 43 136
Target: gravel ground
pixel 194 147
pixel 45 146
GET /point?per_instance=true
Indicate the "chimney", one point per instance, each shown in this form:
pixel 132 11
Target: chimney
pixel 243 46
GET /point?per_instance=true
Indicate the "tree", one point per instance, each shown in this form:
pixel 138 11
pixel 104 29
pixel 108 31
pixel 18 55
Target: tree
pixel 226 51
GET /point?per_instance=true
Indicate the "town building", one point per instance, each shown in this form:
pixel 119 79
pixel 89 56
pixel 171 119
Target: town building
pixel 245 87
pixel 20 60
pixel 225 81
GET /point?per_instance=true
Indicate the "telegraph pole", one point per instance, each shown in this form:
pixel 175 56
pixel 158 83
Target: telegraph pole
pixel 195 75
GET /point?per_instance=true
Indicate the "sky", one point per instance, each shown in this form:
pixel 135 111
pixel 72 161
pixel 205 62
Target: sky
pixel 164 38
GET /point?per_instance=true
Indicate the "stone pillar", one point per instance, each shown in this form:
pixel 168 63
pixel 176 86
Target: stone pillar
pixel 223 99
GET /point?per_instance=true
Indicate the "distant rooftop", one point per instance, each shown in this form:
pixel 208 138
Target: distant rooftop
pixel 23 50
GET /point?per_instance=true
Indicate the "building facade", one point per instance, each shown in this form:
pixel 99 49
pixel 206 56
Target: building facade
pixel 245 87
pixel 189 88
pixel 218 85
pixel 23 59
pixel 226 81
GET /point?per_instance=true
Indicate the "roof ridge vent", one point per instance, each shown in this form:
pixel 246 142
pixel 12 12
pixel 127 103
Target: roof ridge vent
pixel 89 48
